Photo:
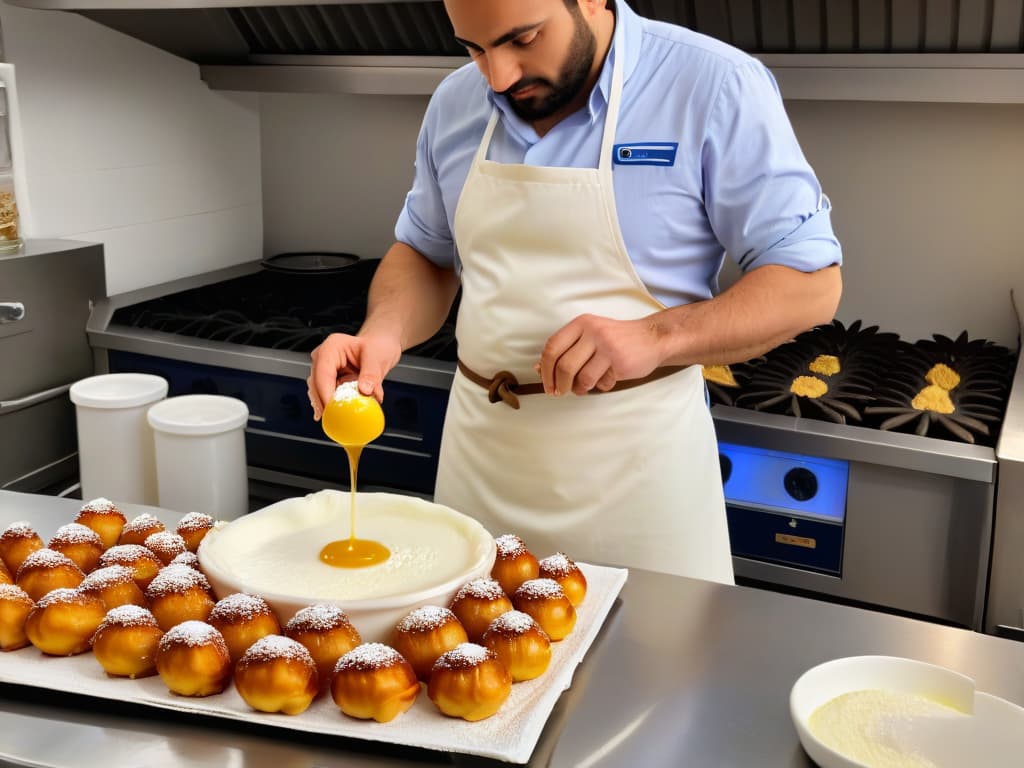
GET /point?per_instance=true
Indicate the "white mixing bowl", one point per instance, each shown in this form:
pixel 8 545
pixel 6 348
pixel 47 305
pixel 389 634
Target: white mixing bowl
pixel 273 552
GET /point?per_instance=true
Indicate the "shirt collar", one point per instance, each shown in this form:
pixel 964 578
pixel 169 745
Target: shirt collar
pixel 626 39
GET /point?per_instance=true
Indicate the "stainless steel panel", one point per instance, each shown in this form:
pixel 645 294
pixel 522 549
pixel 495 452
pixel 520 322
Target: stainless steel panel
pixel 38 443
pixel 55 280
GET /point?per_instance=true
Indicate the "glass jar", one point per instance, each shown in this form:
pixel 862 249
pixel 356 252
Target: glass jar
pixel 10 235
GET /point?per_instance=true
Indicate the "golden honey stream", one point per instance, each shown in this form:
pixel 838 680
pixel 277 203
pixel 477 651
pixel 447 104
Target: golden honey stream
pixel 352 423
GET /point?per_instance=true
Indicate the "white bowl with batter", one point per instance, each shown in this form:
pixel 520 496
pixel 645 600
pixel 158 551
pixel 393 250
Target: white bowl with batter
pixel 274 553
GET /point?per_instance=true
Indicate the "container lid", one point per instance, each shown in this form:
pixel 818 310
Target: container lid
pixel 198 415
pixel 118 390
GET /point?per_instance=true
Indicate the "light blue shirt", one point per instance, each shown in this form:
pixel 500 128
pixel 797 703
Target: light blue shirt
pixel 738 182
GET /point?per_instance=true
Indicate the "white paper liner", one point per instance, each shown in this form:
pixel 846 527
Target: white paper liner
pixel 510 735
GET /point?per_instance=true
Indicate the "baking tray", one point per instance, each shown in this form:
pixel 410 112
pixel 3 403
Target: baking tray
pixel 511 735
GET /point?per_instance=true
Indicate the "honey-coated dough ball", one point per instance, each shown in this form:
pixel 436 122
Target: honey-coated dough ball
pixel 15 606
pixel 513 563
pixel 139 528
pixel 469 682
pixel 46 570
pixel 177 594
pixel 17 542
pixel 165 545
pixel 545 601
pixel 5 575
pixel 82 545
pixel 193 528
pixel 144 564
pixel 191 559
pixel 243 619
pixel 126 642
pixel 277 674
pixel 64 621
pixel 562 569
pixel 327 633
pixel 102 516
pixel 424 634
pixel 192 659
pixel 114 585
pixel 374 682
pixel 520 644
pixel 477 603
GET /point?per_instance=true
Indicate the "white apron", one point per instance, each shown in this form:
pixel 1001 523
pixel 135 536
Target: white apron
pixel 626 477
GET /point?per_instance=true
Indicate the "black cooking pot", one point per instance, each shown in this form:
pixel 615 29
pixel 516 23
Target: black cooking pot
pixel 310 262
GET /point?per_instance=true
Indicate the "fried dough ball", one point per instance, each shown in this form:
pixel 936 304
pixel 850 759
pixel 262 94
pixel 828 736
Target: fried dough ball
pixel 177 594
pixel 15 606
pixel 102 516
pixel 114 585
pixel 191 559
pixel 563 570
pixel 5 575
pixel 17 542
pixel 192 659
pixel 144 564
pixel 64 621
pixel 79 543
pixel 243 619
pixel 545 601
pixel 513 563
pixel 126 642
pixel 469 682
pixel 193 528
pixel 424 634
pixel 136 530
pixel 520 644
pixel 327 633
pixel 374 682
pixel 477 604
pixel 277 674
pixel 45 570
pixel 165 545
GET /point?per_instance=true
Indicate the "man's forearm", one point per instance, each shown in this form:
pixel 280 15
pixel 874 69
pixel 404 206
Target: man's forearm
pixel 763 309
pixel 409 297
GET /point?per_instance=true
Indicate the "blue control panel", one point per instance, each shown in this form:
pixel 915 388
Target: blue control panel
pixel 784 483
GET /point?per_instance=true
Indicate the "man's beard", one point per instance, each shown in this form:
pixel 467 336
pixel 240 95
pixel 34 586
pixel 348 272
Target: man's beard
pixel 571 79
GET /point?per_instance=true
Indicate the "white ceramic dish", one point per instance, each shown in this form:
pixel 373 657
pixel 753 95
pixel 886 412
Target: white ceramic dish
pixel 990 731
pixel 273 552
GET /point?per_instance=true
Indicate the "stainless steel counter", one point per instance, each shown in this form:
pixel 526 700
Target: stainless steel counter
pixel 683 673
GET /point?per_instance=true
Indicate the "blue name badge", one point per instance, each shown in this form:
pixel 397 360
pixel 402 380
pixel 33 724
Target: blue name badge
pixel 645 153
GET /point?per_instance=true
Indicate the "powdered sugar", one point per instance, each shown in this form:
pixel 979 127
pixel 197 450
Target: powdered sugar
pixel 193 634
pixel 101 506
pixel 513 624
pixel 509 545
pixel 65 595
pixel 272 647
pixel 108 576
pixel 464 656
pixel 317 617
pixel 239 606
pixel 557 565
pixel 425 619
pixel 75 533
pixel 127 554
pixel 175 579
pixel 347 390
pixel 46 558
pixel 165 543
pixel 12 592
pixel 129 616
pixel 195 521
pixel 536 589
pixel 189 559
pixel 20 529
pixel 482 589
pixel 369 656
pixel 144 522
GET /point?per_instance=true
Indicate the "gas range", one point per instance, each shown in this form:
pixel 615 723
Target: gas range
pixel 848 511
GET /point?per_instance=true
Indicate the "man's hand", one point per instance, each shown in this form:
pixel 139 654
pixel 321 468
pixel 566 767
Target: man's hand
pixel 342 357
pixel 594 352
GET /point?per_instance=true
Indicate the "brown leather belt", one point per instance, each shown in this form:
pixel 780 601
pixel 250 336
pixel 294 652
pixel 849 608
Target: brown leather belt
pixel 505 387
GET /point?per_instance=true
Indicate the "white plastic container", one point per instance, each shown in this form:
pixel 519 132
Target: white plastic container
pixel 115 443
pixel 200 454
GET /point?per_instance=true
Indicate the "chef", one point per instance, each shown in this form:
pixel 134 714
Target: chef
pixel 582 180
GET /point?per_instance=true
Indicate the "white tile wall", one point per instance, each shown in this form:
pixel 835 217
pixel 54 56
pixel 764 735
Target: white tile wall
pixel 124 144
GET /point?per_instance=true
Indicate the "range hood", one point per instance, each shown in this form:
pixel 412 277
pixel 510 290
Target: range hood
pixel 407 47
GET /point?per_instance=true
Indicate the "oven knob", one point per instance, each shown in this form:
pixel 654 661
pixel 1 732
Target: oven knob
pixel 725 464
pixel 801 484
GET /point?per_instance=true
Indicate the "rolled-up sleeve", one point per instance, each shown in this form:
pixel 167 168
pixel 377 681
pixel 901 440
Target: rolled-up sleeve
pixel 423 223
pixel 763 200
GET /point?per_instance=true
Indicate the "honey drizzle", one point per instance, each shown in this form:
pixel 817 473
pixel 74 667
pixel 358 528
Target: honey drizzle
pixel 353 552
